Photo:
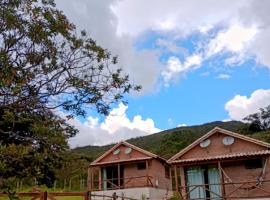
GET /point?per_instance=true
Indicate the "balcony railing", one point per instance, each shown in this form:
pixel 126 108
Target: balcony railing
pixel 122 183
pixel 231 190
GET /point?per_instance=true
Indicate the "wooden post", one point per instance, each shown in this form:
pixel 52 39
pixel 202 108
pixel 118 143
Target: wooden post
pixel 176 179
pixel 183 181
pixel 221 178
pixel 99 179
pixel 45 195
pixel 119 176
pixel 170 176
pixel 92 178
pixel 87 196
pixel 147 173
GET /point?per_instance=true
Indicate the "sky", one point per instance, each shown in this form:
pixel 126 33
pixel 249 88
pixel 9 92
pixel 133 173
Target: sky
pixel 197 62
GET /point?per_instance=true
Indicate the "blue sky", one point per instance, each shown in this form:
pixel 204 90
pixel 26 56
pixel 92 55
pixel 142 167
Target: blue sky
pixel 196 61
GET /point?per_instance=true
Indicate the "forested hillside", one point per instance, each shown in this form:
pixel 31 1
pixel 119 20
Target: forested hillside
pixel 168 142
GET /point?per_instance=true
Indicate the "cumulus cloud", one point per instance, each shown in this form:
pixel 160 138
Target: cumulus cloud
pixel 97 18
pixel 242 106
pixel 241 28
pixel 115 127
pixel 175 67
pixel 233 39
pixel 136 16
pixel 257 12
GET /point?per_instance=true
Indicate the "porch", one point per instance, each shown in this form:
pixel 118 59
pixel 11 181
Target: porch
pixel 227 179
pixel 120 176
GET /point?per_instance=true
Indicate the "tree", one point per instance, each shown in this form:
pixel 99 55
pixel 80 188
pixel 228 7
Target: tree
pixel 46 68
pixel 259 121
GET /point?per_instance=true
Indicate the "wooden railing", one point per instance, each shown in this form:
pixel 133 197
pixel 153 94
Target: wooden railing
pixel 234 190
pixel 122 183
pixel 44 195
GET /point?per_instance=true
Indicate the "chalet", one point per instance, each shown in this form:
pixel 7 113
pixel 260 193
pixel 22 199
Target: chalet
pixel 223 165
pixel 130 171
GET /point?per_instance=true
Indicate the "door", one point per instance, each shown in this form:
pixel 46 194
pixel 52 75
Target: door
pixel 111 179
pixel 195 179
pixel 203 182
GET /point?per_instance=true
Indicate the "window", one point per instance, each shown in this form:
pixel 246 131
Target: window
pixel 167 171
pixel 141 166
pixel 253 164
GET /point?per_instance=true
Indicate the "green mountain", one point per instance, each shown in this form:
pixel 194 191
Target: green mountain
pixel 168 142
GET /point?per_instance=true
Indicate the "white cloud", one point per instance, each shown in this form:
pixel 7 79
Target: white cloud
pixel 116 126
pixel 97 18
pixel 242 106
pixel 233 39
pixel 136 16
pixel 116 24
pixel 257 12
pixel 181 125
pixel 223 76
pixel 175 68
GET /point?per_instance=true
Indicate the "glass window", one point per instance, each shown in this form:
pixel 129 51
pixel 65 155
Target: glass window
pixel 141 165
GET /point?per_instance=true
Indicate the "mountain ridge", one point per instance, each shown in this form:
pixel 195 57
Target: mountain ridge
pixel 176 139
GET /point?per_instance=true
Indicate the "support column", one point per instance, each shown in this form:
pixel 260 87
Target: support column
pixel 99 179
pixel 176 179
pixel 170 168
pixel 118 166
pixel 183 181
pixel 221 178
pixel 147 173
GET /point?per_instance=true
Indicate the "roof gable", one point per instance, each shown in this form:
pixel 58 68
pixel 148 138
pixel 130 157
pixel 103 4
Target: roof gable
pixel 244 140
pixel 135 154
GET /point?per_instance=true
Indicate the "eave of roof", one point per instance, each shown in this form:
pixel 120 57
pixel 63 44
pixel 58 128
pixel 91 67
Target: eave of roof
pixel 121 161
pixel 212 132
pixel 223 157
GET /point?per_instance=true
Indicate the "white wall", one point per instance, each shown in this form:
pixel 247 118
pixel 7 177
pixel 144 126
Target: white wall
pixel 136 193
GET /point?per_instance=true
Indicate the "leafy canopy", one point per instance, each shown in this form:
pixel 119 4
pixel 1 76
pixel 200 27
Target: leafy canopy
pixel 46 66
pixel 259 121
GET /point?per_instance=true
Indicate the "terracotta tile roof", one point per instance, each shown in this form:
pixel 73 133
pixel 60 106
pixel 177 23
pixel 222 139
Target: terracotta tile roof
pixel 147 153
pixel 120 161
pixel 212 132
pixel 223 157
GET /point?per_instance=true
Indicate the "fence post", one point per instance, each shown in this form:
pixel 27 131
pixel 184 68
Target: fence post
pixel 45 195
pixel 87 195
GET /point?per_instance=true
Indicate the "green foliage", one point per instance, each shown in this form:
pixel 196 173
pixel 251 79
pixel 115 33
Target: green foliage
pixel 31 147
pixel 259 121
pixel 45 67
pixel 44 64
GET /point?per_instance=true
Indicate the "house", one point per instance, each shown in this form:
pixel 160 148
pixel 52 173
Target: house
pixel 223 165
pixel 130 171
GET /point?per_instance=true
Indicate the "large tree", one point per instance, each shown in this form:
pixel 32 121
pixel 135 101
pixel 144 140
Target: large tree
pixel 47 66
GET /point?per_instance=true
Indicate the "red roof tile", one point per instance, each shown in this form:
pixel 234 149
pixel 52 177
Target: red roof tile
pixel 223 157
pixel 120 161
